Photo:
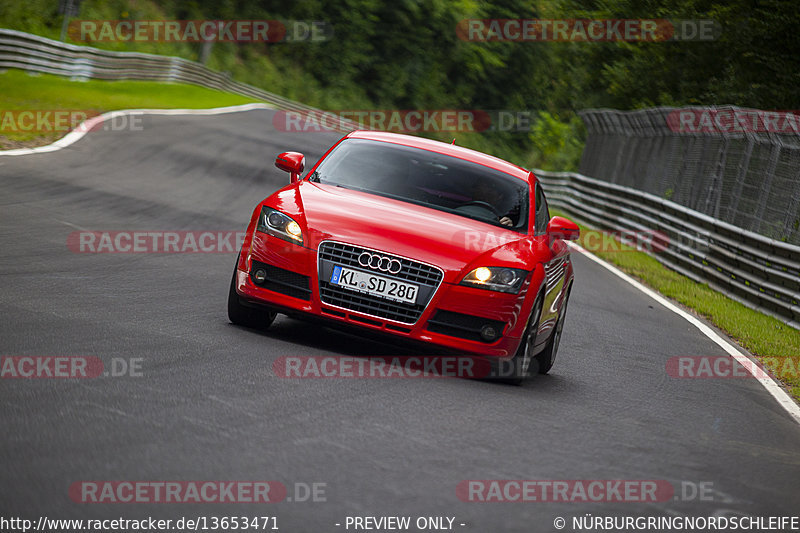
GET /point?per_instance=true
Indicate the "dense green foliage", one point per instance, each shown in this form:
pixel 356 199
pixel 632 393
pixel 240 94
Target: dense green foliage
pixel 406 54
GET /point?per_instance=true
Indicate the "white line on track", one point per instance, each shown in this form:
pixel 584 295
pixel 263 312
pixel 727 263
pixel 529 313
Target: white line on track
pixel 86 126
pixel 774 388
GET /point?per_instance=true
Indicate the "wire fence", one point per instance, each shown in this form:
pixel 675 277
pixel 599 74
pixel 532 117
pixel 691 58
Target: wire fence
pixel 740 166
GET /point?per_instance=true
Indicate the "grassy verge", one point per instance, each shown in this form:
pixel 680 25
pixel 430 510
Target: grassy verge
pixel 775 345
pixel 24 92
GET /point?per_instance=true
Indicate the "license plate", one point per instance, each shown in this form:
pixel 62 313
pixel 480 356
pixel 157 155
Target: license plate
pixel 375 285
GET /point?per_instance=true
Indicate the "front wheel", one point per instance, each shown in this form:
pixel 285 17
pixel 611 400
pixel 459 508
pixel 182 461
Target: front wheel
pixel 243 315
pixel 521 361
pixel 548 355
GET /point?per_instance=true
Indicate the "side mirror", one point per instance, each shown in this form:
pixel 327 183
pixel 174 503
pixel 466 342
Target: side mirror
pixel 562 228
pixel 292 162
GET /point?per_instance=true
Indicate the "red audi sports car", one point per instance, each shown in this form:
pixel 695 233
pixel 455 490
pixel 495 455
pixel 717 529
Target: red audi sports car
pixel 413 238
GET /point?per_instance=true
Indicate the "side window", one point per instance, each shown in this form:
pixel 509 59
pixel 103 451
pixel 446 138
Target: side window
pixel 542 213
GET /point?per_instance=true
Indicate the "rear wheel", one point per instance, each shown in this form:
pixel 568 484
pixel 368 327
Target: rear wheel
pixel 548 355
pixel 244 315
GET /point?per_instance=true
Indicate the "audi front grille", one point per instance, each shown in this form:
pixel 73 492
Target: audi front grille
pixel 428 278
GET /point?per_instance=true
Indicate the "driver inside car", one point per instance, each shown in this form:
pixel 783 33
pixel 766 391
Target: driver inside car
pixel 482 191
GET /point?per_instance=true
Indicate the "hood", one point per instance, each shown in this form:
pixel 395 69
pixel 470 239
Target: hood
pixel 449 241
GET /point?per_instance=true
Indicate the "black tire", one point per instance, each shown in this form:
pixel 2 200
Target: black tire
pixel 246 316
pixel 547 357
pixel 516 370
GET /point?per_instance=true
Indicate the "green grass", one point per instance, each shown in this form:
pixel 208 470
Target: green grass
pixel 774 343
pixel 22 91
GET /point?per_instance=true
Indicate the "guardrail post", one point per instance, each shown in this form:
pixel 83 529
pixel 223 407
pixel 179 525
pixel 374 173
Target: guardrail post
pixel 791 222
pixel 715 194
pixel 775 154
pixel 744 165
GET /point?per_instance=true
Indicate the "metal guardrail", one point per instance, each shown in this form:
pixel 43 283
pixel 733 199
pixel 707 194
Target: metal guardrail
pixel 761 273
pixel 33 53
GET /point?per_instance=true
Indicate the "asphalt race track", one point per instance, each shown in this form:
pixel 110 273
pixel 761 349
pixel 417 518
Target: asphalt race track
pixel 208 406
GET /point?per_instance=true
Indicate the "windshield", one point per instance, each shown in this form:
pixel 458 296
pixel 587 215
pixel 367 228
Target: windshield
pixel 426 178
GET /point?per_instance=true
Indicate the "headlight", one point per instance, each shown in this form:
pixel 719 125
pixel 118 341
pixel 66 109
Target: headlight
pixel 496 279
pixel 279 225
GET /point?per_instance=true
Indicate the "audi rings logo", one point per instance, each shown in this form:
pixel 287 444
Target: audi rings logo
pixel 379 262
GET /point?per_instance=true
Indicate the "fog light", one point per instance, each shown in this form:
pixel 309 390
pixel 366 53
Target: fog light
pixel 488 333
pixel 260 275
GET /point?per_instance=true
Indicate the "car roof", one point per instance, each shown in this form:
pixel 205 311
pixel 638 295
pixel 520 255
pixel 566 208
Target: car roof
pixel 444 148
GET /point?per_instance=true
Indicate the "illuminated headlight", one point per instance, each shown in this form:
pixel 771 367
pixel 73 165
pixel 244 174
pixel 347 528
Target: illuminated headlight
pixel 279 225
pixel 496 279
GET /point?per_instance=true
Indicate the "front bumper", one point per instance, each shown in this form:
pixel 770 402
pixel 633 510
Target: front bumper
pixel 452 320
